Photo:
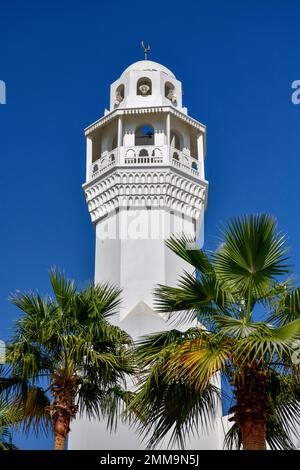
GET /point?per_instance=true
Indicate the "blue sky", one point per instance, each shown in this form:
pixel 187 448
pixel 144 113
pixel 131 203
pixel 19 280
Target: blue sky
pixel 236 60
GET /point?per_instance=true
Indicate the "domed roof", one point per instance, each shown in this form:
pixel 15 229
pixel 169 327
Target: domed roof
pixel 147 66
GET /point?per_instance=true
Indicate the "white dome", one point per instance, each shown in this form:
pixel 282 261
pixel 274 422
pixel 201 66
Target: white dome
pixel 147 66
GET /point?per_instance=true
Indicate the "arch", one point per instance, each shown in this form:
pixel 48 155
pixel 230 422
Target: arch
pixel 95 168
pixel 130 153
pixel 170 92
pixel 176 156
pixel 194 166
pixel 144 86
pixel 120 93
pixel 143 153
pixel 156 153
pixel 176 140
pixel 103 161
pixel 144 135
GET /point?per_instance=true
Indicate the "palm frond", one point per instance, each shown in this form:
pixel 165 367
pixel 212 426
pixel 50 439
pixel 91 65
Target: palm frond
pixel 252 255
pixel 184 246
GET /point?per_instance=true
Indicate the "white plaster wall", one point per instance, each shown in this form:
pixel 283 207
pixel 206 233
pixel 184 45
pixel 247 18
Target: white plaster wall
pixel 158 78
pixel 137 265
pixel 131 252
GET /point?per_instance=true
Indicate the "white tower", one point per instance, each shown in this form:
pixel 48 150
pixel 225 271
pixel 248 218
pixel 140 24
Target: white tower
pixel 144 181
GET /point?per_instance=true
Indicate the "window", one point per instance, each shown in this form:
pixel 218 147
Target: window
pixel 169 90
pixel 170 93
pixel 120 92
pixel 194 166
pixel 176 156
pixel 144 87
pixel 144 135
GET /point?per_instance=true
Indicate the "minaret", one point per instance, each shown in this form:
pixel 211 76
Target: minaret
pixel 144 182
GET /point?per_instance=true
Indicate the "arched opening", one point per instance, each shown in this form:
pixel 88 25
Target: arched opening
pixel 170 92
pixel 143 153
pixel 112 158
pixel 145 156
pixel 144 87
pixel 194 166
pixel 120 93
pixel 176 141
pixel 176 156
pixel 144 135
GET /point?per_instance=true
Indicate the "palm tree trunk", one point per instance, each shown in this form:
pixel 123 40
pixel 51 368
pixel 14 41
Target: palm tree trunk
pixel 252 407
pixel 61 429
pixel 253 435
pixel 63 409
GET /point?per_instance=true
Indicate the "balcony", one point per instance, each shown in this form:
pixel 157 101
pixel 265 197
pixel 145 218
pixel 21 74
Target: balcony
pixel 104 163
pixel 146 156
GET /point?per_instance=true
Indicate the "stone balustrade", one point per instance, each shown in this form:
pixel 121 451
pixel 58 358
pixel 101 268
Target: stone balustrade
pixel 147 155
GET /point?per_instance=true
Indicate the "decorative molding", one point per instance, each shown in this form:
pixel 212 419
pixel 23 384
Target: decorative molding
pixel 123 189
pixel 147 110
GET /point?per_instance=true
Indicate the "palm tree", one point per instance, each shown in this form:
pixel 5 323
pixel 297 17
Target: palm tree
pixel 245 323
pixel 66 358
pixel 9 416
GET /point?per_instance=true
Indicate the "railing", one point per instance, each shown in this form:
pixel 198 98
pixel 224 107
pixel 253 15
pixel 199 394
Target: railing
pixel 184 162
pixel 104 163
pixel 146 155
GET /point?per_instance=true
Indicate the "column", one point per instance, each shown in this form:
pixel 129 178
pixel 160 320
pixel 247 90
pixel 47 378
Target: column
pixel 120 136
pixel 168 135
pixel 89 157
pixel 200 150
